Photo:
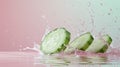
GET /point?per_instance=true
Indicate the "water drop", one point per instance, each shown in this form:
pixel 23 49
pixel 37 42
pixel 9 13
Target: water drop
pixel 43 16
pixel 101 4
pixel 110 9
pixel 109 13
pixel 89 4
pixel 115 21
pixel 47 30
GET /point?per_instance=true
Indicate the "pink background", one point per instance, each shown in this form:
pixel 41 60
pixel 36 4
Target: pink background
pixel 20 24
pixel 23 22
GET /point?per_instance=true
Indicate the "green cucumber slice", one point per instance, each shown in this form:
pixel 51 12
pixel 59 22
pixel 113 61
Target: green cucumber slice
pixel 100 45
pixel 55 41
pixel 82 43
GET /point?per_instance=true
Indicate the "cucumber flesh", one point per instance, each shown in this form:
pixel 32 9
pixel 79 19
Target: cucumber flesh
pixel 100 45
pixel 55 41
pixel 108 41
pixel 81 43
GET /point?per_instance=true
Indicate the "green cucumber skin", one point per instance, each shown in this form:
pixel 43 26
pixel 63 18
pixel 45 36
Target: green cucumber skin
pixel 73 47
pixel 63 45
pixel 88 43
pixel 108 39
pixel 93 47
pixel 102 48
pixel 66 41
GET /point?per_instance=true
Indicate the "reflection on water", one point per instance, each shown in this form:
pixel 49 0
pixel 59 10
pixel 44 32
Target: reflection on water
pixel 94 59
pixel 70 60
pixel 78 58
pixel 31 59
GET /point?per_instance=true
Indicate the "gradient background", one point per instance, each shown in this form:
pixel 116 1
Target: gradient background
pixel 23 22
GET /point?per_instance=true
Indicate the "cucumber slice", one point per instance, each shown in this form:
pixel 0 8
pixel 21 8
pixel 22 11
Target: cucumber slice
pixel 55 41
pixel 82 42
pixel 100 45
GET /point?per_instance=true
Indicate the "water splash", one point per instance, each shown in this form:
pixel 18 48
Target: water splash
pixel 35 48
pixel 78 56
pixel 47 30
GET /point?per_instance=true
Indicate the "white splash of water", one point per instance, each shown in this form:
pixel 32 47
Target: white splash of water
pixel 43 16
pixel 47 30
pixel 35 48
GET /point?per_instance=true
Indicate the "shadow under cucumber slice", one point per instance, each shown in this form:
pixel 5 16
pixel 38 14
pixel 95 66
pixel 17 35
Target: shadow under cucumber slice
pixel 82 43
pixel 55 41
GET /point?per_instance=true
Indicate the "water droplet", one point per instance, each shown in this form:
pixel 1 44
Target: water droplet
pixel 115 21
pixel 109 13
pixel 101 4
pixel 43 16
pixel 89 4
pixel 47 30
pixel 110 9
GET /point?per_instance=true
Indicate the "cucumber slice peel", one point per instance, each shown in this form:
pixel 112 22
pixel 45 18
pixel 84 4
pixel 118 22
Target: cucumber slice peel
pixel 81 43
pixel 100 45
pixel 55 41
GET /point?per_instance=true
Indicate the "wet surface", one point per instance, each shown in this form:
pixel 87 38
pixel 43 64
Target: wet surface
pixel 83 59
pixel 32 59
